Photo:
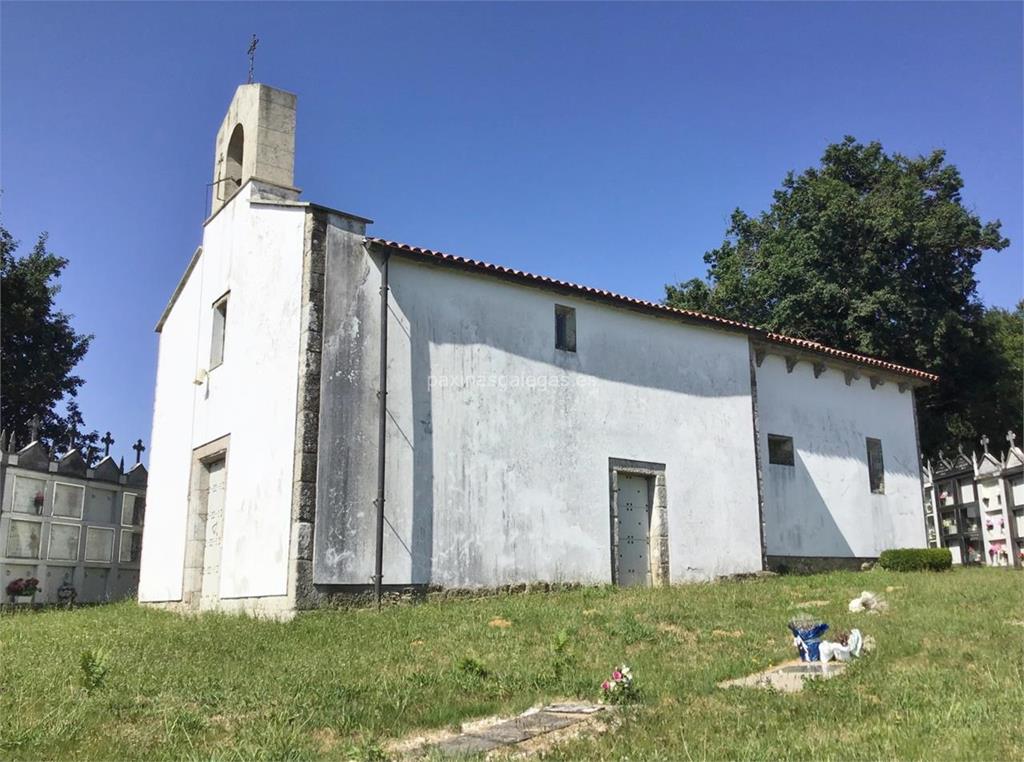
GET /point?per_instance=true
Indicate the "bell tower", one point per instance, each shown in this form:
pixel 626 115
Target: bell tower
pixel 255 141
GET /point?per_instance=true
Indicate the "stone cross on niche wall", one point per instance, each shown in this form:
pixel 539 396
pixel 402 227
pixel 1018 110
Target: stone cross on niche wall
pixel 984 442
pixel 34 428
pixel 139 448
pixel 1010 437
pixel 107 441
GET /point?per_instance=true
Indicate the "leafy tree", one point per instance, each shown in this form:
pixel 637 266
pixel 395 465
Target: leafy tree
pixel 873 253
pixel 38 347
pixel 1006 388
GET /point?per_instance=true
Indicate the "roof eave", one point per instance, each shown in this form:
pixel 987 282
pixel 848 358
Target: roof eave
pixel 178 289
pixel 859 364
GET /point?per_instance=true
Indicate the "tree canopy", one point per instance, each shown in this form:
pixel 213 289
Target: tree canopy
pixel 38 347
pixel 875 253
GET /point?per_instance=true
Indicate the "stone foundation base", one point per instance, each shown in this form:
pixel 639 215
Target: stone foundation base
pixel 357 596
pixel 815 564
pixel 281 608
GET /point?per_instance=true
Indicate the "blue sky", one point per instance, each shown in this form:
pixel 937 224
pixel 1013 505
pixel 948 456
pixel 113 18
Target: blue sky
pixel 605 144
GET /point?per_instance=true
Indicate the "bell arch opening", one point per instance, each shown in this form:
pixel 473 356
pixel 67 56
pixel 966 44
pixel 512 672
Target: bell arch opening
pixel 233 162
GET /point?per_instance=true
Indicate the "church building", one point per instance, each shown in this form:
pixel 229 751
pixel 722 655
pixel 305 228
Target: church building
pixel 514 428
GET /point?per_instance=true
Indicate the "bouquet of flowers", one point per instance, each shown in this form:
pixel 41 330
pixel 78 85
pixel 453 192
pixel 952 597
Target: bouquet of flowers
pixel 618 689
pixel 23 586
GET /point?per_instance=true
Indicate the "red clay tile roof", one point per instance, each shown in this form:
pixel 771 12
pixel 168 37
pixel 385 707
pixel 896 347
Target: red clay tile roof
pixel 874 362
pixel 628 301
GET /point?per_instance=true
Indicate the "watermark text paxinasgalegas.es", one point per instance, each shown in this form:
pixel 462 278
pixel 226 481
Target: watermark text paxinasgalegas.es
pixel 502 381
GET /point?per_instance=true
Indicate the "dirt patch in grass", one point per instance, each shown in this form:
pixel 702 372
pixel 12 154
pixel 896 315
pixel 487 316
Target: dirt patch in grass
pixel 325 738
pixel 681 634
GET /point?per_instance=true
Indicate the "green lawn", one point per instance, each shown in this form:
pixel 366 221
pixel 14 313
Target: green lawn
pixel 946 679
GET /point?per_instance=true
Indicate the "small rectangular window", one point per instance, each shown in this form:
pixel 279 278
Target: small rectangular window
pixel 876 467
pixel 565 328
pixel 780 450
pixel 220 319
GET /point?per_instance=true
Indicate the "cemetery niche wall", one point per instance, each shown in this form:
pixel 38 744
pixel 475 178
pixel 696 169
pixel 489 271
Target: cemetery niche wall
pixel 69 525
pixel 974 505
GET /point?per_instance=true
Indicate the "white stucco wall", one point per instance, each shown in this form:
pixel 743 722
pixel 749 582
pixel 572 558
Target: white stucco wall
pixel 490 483
pixel 823 506
pixel 255 252
pixel 170 450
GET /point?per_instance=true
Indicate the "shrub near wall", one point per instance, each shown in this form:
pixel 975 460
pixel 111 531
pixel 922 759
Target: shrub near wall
pixel 916 559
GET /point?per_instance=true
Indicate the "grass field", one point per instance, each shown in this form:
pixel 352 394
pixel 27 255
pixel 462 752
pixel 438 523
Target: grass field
pixel 946 680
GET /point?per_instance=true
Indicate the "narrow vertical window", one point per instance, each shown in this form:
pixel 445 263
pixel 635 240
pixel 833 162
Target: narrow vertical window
pixel 780 450
pixel 876 468
pixel 220 319
pixel 565 328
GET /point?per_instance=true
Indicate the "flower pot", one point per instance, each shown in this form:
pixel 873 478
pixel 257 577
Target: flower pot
pixel 22 600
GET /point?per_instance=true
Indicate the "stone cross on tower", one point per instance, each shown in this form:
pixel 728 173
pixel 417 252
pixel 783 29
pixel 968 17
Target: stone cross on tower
pixel 252 55
pixel 107 441
pixel 34 428
pixel 1011 437
pixel 139 448
pixel 984 442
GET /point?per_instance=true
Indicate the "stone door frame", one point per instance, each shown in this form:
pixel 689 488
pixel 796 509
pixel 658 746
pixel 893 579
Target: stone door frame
pixel 195 528
pixel 658 532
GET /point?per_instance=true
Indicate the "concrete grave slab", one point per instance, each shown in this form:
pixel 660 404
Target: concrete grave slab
pixel 543 722
pixel 788 677
pixel 488 735
pixel 574 708
pixel 504 733
pixel 465 745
